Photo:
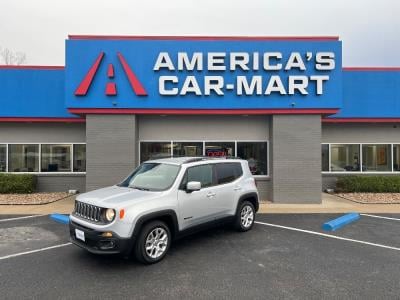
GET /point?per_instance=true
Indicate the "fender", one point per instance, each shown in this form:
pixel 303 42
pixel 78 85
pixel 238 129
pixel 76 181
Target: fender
pixel 168 214
pixel 246 196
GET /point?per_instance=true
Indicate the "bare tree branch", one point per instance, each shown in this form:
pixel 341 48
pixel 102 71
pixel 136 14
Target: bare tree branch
pixel 8 57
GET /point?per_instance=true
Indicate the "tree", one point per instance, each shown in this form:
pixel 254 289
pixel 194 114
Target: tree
pixel 9 57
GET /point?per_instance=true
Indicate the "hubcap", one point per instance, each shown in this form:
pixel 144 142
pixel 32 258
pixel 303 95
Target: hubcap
pixel 156 242
pixel 247 216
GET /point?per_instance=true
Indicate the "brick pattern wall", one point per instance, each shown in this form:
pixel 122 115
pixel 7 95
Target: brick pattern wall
pixel 42 133
pixel 263 186
pixel 111 149
pixel 61 182
pixel 328 181
pixel 360 133
pixel 296 158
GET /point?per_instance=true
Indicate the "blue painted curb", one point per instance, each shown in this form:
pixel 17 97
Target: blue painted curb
pixel 340 222
pixel 63 219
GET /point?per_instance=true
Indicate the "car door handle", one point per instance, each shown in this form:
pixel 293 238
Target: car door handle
pixel 211 194
pixel 237 188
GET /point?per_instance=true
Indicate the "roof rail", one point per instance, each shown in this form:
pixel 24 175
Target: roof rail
pixel 193 159
pixel 205 157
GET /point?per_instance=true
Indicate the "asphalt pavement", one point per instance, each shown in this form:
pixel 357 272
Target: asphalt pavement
pixel 265 263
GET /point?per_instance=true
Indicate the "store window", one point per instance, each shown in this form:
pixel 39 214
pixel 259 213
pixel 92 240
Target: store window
pixel 79 158
pixel 325 157
pixel 345 157
pixel 23 158
pixel 154 150
pixel 217 149
pixel 376 158
pixel 188 149
pixel 56 158
pixel 3 158
pixel 396 158
pixel 256 153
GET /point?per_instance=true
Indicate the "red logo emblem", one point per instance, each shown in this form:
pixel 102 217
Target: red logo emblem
pixel 111 87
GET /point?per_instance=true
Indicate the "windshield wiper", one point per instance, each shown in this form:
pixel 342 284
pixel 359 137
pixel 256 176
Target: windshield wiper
pixel 139 188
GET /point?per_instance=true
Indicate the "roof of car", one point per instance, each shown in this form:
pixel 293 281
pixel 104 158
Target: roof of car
pixel 187 159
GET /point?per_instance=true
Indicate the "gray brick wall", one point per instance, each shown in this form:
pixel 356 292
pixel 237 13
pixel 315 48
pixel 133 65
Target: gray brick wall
pixel 42 133
pixel 203 127
pixel 60 182
pixel 360 133
pixel 295 166
pixel 328 181
pixel 263 186
pixel 111 147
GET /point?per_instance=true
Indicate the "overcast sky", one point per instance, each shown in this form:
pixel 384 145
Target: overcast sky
pixel 369 29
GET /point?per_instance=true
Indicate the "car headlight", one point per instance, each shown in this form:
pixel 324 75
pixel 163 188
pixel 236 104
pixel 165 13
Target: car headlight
pixel 110 214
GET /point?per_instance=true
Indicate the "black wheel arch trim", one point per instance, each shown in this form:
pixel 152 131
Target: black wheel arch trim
pixel 169 213
pixel 247 196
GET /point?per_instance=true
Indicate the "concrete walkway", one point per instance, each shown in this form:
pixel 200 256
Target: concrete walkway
pixel 330 204
pixel 64 206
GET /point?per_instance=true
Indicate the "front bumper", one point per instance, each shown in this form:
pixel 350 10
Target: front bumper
pixel 97 244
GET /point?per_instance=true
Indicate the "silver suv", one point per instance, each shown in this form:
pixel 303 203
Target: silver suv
pixel 162 200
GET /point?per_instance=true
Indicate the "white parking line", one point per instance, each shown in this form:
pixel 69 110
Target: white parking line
pixel 20 218
pixel 34 251
pixel 379 217
pixel 328 236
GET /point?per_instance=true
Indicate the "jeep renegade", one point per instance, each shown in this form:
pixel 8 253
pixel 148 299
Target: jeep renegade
pixel 162 200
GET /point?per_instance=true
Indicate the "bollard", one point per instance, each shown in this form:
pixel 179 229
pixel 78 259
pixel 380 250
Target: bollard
pixel 59 218
pixel 340 222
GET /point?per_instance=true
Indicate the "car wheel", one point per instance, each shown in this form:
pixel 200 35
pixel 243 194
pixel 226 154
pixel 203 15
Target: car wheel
pixel 153 242
pixel 245 216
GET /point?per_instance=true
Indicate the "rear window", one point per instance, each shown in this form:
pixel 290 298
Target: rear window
pixel 228 172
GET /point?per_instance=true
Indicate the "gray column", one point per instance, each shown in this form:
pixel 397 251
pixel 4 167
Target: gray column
pixel 295 163
pixel 111 149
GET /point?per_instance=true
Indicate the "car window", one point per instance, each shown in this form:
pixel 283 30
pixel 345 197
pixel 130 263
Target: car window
pixel 202 173
pixel 228 172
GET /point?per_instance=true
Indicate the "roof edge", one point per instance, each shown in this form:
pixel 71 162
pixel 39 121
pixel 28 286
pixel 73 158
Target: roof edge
pixel 147 111
pixel 42 120
pixel 202 38
pixel 360 120
pixel 33 67
pixel 371 69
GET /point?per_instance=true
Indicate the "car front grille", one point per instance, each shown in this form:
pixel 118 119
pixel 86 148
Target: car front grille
pixel 87 211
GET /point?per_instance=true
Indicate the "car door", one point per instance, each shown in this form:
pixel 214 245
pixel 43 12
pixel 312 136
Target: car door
pixel 197 207
pixel 228 188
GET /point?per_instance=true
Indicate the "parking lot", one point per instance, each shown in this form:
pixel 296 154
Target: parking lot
pixel 291 261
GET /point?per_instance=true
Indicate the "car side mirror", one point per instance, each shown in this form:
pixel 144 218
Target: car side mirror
pixel 193 186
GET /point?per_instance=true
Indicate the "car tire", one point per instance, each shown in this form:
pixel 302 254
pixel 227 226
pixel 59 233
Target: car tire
pixel 245 216
pixel 153 242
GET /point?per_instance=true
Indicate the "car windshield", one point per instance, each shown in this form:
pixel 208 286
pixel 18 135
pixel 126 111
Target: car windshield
pixel 152 177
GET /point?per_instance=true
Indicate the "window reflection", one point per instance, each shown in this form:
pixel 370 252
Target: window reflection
pixel 345 158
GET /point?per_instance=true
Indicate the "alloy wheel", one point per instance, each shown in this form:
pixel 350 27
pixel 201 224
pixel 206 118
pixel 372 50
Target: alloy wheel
pixel 247 216
pixel 156 242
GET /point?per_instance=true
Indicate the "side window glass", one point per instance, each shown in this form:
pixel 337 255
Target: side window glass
pixel 228 172
pixel 203 173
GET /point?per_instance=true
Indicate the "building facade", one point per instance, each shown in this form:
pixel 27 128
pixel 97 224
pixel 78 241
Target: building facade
pixel 285 104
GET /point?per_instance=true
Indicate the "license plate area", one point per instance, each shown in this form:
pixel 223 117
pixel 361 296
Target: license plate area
pixel 80 235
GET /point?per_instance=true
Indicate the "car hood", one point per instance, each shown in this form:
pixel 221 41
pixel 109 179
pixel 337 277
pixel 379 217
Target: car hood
pixel 114 196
